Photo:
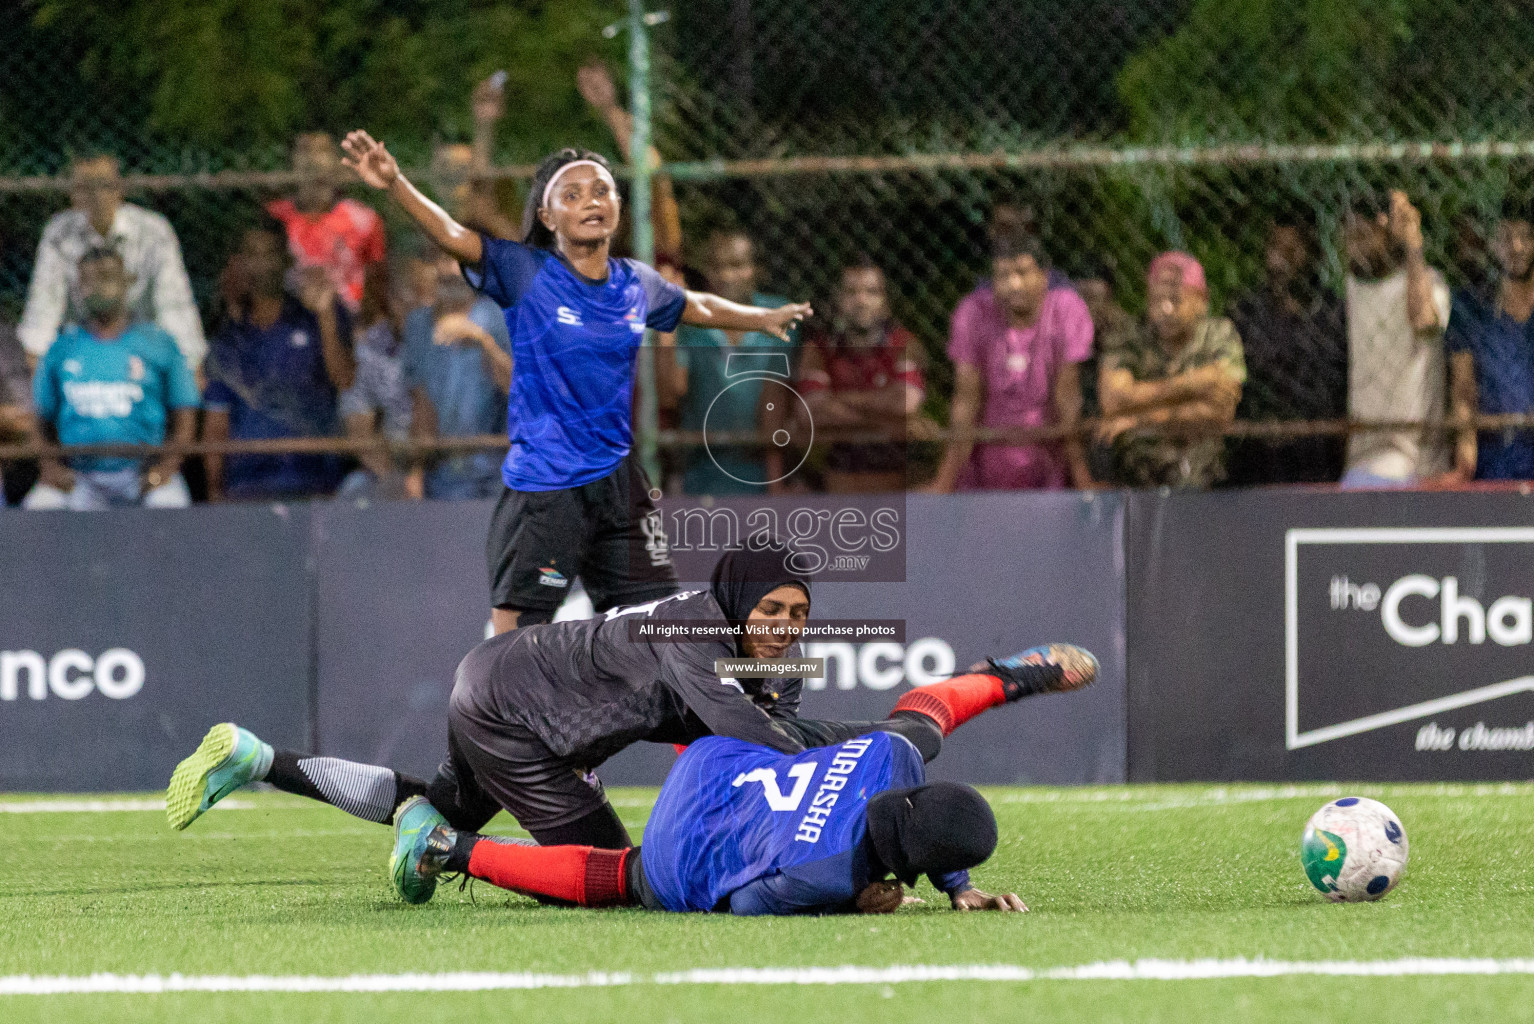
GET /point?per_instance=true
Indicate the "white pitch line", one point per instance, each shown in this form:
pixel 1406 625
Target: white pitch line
pixel 99 806
pixel 1115 970
pixel 1130 799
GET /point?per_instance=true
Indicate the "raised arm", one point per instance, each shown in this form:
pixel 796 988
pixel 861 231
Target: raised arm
pixel 596 87
pixel 376 166
pixel 318 296
pixel 705 309
pixel 1406 228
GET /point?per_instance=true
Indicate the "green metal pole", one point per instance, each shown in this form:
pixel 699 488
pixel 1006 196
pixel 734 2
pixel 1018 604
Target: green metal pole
pixel 639 217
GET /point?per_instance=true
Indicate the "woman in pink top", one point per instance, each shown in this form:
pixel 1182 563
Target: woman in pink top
pixel 1016 346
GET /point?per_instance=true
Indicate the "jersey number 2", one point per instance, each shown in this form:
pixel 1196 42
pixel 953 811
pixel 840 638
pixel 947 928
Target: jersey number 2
pixel 768 777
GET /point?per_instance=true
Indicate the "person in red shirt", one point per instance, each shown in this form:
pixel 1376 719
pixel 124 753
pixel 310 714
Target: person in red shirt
pixel 324 230
pixel 864 375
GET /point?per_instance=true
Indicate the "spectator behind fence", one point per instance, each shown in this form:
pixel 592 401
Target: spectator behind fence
pixel 695 372
pixel 457 168
pixel 1295 340
pixel 864 374
pixel 1178 367
pixel 1108 317
pixel 324 230
pixel 15 390
pixel 458 369
pixel 111 381
pixel 595 84
pixel 159 291
pixel 1397 308
pixel 1491 356
pixel 274 371
pixel 1017 344
pixel 1469 253
pixel 378 402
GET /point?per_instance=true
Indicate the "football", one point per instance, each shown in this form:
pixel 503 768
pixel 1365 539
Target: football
pixel 1353 850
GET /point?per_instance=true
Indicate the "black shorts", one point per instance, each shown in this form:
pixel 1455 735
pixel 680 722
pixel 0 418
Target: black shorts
pixel 608 532
pixel 493 765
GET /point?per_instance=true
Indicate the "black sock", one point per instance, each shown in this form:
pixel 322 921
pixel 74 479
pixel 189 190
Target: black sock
pixel 364 790
pixel 463 849
pixel 922 730
pixel 601 829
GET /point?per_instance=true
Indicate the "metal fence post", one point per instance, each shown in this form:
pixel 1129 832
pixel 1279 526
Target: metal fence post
pixel 639 218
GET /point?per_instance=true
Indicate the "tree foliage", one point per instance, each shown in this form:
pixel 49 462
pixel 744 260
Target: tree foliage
pixel 1331 70
pixel 243 76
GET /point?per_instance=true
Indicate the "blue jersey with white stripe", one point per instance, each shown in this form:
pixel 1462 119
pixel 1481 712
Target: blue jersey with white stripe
pixel 573 343
pixel 732 813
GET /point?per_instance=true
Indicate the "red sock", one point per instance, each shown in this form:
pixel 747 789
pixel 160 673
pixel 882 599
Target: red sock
pixel 581 875
pixel 954 701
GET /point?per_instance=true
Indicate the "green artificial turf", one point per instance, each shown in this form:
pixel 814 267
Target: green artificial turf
pixel 1179 873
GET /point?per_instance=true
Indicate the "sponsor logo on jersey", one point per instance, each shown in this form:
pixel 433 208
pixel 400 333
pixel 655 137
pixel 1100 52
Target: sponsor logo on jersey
pixel 568 316
pixel 102 399
pixel 298 339
pixel 135 368
pixel 550 577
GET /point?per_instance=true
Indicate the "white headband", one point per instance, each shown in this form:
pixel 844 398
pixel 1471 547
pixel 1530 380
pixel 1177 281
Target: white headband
pixel 602 172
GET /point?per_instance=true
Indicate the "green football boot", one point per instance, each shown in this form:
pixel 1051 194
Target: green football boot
pixel 227 758
pixel 422 842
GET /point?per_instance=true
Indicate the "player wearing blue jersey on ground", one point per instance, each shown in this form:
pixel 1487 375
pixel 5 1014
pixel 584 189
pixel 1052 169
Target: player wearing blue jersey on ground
pixel 741 828
pixel 534 712
pixel 576 503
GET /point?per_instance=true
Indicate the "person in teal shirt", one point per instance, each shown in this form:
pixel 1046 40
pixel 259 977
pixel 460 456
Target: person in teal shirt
pixel 110 381
pixel 714 378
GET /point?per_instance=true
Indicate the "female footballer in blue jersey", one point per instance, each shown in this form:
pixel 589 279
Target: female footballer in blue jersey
pixel 744 829
pixel 576 502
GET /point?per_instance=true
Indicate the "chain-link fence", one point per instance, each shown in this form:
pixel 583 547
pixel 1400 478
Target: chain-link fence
pixel 892 129
pixel 1123 129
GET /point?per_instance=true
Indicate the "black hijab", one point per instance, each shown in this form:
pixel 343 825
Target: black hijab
pixel 744 576
pixel 930 830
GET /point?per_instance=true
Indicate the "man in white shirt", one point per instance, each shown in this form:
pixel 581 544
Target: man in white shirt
pixel 1397 309
pixel 98 218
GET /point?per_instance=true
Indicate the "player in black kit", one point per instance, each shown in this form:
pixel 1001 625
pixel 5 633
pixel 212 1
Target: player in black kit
pixel 533 712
